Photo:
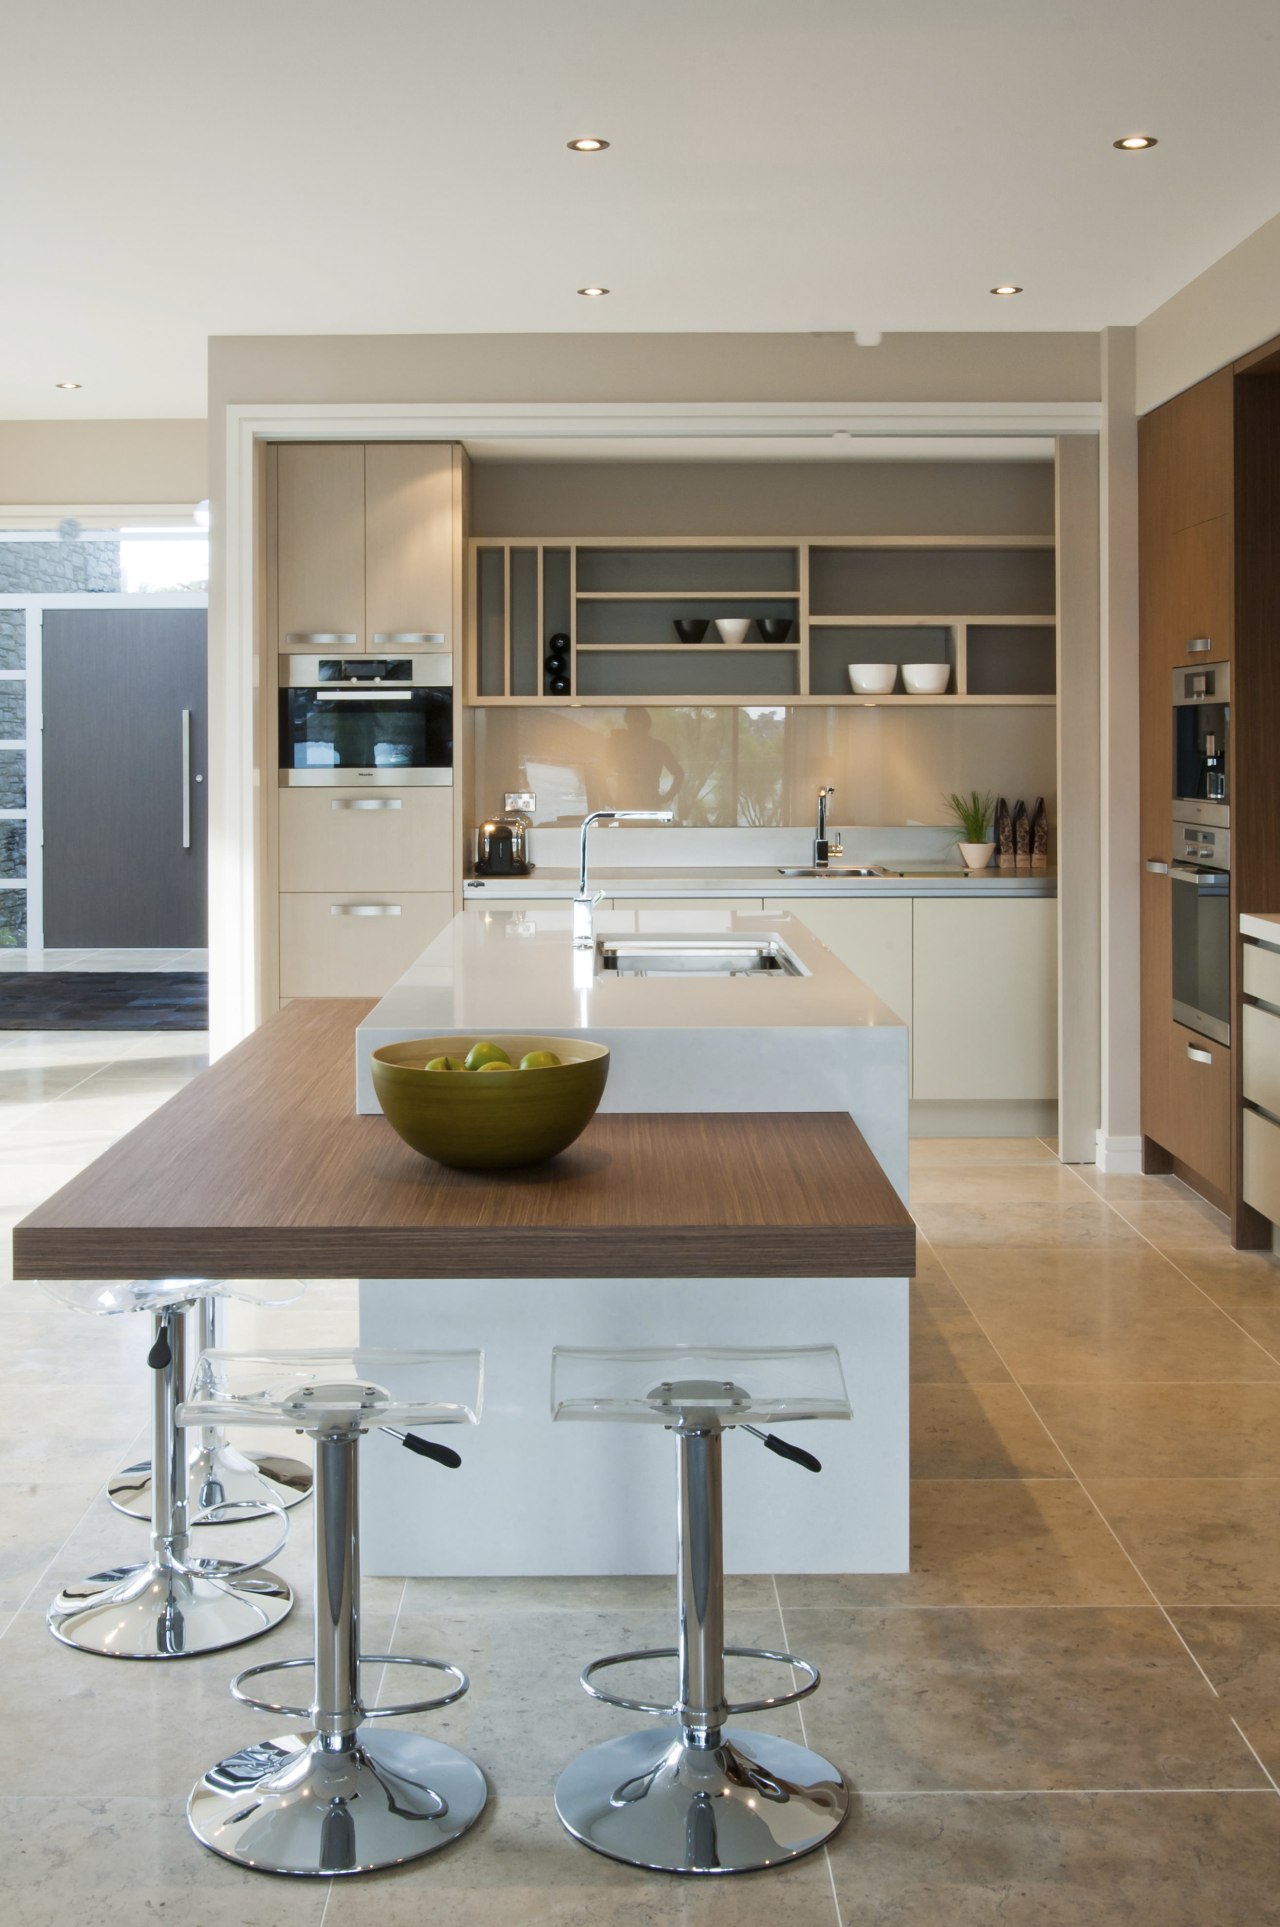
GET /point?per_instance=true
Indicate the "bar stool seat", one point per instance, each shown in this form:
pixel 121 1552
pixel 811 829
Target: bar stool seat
pixel 173 1604
pixel 335 1799
pixel 222 1480
pixel 697 1795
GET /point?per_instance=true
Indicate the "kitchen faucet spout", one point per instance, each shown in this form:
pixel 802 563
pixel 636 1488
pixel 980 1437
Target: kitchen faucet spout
pixel 823 847
pixel 584 903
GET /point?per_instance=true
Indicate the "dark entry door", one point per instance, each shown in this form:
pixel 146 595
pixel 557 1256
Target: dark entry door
pixel 125 705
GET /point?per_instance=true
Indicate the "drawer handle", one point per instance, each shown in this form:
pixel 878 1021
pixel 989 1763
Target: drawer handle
pixel 364 909
pixel 409 638
pixel 1199 645
pixel 1199 1056
pixel 365 803
pixel 1156 867
pixel 327 638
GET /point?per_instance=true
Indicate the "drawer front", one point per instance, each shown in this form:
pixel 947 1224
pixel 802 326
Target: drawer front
pixel 375 839
pixel 1200 1105
pixel 1262 1165
pixel 1262 973
pixel 354 943
pixel 1261 1071
pixel 656 915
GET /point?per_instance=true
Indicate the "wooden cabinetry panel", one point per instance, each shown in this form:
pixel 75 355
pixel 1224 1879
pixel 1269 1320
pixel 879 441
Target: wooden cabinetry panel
pixel 1198 594
pixel 1158 1120
pixel 1200 1095
pixel 984 997
pixel 870 935
pixel 1186 453
pixel 327 952
pixel 375 839
pixel 409 540
pixel 320 540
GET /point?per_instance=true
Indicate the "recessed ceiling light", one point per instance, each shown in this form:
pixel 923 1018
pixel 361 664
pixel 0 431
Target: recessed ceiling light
pixel 1006 287
pixel 588 144
pixel 66 384
pixel 593 291
pixel 1134 143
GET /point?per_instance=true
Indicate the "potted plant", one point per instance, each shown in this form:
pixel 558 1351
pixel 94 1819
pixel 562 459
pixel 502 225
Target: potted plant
pixel 972 814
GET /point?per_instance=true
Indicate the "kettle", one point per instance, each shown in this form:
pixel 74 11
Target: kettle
pixel 502 847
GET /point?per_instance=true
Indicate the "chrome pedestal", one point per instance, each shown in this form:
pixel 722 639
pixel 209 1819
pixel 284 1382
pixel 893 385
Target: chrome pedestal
pixel 173 1604
pixel 218 1474
pixel 701 1797
pixel 335 1799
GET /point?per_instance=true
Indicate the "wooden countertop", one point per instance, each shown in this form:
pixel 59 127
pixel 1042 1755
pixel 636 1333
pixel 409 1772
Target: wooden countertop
pixel 261 1168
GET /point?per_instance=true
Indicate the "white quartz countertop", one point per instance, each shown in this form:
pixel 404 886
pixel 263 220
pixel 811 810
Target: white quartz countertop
pixel 924 880
pixel 1262 924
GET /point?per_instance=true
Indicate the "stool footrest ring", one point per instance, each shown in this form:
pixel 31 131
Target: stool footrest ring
pixel 231 1512
pixel 735 1709
pixel 367 1712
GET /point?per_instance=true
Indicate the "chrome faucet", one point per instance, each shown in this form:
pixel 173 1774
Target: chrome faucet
pixel 823 847
pixel 584 903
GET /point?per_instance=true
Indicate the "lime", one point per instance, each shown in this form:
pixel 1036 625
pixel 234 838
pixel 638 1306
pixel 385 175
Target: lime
pixel 496 1066
pixel 539 1060
pixel 444 1064
pixel 483 1053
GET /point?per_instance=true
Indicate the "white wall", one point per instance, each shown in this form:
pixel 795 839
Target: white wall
pixel 77 464
pixel 1230 308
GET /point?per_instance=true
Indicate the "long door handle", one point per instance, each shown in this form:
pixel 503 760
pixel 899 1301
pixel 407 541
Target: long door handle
pixel 186 779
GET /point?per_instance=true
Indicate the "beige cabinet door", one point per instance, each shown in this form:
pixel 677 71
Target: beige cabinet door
pixel 354 943
pixel 374 839
pixel 985 998
pixel 409 545
pixel 655 916
pixel 870 935
pixel 320 543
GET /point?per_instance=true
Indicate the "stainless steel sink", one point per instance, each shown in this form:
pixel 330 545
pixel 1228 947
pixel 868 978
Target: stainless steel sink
pixel 721 956
pixel 837 870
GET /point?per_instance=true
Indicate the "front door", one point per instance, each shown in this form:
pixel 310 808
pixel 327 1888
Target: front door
pixel 125 743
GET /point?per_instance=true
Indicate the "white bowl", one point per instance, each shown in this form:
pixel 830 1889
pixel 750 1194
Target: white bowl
pixel 926 678
pixel 872 678
pixel 733 629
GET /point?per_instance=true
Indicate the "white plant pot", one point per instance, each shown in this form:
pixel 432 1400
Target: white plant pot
pixel 976 856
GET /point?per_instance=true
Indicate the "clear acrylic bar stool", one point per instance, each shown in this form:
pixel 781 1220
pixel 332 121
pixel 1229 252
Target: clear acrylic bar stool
pixel 218 1474
pixel 335 1799
pixel 173 1604
pixel 697 1795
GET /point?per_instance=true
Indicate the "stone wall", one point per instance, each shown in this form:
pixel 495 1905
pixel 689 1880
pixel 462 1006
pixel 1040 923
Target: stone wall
pixel 58 568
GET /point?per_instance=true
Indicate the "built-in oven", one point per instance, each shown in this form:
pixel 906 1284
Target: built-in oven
pixel 348 720
pixel 1200 920
pixel 1202 743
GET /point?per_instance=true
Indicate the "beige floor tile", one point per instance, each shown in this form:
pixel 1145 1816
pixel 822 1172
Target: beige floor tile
pixel 979 1432
pixel 948 1345
pixel 1199 1541
pixel 1024 1182
pixel 997 1543
pixel 1239 1648
pixel 1089 1223
pixel 927 1152
pixel 1177 1223
pixel 1164 1431
pixel 979 1700
pixel 1135 1188
pixel 1114 1326
pixel 39 1514
pixel 605 1593
pixel 1060 1860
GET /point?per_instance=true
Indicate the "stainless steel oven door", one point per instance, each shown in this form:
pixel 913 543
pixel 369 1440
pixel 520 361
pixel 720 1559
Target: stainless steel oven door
pixel 1200 911
pixel 366 720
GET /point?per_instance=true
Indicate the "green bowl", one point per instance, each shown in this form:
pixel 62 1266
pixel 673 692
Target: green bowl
pixel 490 1120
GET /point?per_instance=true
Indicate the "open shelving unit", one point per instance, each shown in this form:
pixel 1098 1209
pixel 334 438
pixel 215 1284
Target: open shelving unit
pixel 985 605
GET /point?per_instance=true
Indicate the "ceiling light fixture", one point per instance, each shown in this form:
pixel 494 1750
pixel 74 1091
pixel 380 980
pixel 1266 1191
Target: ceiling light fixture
pixel 593 292
pixel 588 144
pixel 1134 143
pixel 66 384
pixel 1006 287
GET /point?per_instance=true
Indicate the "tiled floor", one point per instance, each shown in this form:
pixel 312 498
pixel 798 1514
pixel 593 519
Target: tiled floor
pixel 1068 1712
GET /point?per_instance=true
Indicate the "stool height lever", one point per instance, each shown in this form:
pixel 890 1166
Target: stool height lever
pixel 425 1448
pixel 783 1448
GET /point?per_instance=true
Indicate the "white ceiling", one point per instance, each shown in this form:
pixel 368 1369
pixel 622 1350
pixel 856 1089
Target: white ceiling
pixel 311 166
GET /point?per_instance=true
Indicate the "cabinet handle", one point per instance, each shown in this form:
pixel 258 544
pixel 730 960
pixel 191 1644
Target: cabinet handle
pixel 409 638
pixel 365 803
pixel 364 909
pixel 1199 1056
pixel 1156 867
pixel 326 638
pixel 1199 645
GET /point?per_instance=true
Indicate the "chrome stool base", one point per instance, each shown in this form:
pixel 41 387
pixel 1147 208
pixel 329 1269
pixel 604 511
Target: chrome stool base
pixel 166 1612
pixel 219 1475
pixel 654 1801
pixel 298 1805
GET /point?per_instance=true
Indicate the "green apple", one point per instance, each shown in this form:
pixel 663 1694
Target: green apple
pixel 444 1064
pixel 496 1066
pixel 539 1060
pixel 482 1054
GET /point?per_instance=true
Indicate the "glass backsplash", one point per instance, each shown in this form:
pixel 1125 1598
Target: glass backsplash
pixel 724 768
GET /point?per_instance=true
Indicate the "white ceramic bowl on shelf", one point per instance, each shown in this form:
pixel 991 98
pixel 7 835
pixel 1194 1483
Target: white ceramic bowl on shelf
pixel 872 678
pixel 733 629
pixel 926 678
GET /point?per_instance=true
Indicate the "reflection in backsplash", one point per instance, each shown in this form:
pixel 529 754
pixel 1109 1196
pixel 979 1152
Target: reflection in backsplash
pixel 725 768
